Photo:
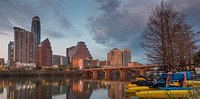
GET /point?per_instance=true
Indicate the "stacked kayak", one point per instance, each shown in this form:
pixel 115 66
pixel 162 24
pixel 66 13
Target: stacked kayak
pixel 139 88
pixel 140 79
pixel 130 85
pixel 163 93
pixel 160 92
pixel 163 86
pixel 175 88
pixel 192 82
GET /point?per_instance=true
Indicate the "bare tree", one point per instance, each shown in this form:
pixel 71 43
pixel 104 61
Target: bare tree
pixel 168 39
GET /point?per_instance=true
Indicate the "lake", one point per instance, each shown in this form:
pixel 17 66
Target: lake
pixel 61 88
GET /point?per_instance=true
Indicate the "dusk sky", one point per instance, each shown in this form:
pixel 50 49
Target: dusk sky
pixel 101 24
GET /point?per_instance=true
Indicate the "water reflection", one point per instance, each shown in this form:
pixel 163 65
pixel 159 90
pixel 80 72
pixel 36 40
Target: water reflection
pixel 60 88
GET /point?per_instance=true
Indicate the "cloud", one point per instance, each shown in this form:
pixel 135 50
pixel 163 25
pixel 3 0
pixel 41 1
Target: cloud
pixel 52 15
pixel 119 25
pixel 122 21
pixel 5 34
pixel 190 9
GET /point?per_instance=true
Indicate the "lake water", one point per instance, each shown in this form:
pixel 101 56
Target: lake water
pixel 61 88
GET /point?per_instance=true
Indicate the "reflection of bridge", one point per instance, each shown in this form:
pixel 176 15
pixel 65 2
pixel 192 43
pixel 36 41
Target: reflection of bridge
pixel 122 69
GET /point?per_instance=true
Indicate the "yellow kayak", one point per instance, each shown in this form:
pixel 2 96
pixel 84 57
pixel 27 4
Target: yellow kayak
pixel 175 84
pixel 140 79
pixel 130 85
pixel 130 94
pixel 139 88
pixel 192 82
pixel 163 93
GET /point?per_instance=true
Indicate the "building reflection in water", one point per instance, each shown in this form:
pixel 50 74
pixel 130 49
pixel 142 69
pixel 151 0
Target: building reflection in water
pixel 79 90
pixel 70 88
pixel 116 91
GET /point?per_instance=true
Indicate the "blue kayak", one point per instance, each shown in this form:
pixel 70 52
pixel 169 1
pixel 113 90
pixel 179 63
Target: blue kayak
pixel 175 88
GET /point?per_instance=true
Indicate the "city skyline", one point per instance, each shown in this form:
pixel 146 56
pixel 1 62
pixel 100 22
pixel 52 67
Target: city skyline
pixel 68 22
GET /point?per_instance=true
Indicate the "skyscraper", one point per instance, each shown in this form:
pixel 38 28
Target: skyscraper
pixel 115 57
pixel 44 53
pixel 80 51
pixel 126 57
pixel 1 61
pixel 10 53
pixel 24 46
pixel 35 28
pixel 119 57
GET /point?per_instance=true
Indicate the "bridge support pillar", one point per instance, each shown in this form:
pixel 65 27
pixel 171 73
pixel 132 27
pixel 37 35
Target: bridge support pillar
pixel 94 74
pixel 107 75
pixel 122 74
pixel 142 72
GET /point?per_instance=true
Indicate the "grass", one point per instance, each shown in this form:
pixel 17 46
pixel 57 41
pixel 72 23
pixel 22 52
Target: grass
pixel 195 94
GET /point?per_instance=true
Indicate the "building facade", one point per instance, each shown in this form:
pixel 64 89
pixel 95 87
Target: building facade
pixel 87 63
pixel 81 53
pixel 35 28
pixel 59 60
pixel 118 57
pixel 1 62
pixel 70 53
pixel 115 57
pixel 24 47
pixel 10 53
pixel 126 57
pixel 44 53
pixel 105 63
pixel 132 64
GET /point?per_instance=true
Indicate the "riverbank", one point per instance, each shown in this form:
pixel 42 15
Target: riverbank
pixel 31 73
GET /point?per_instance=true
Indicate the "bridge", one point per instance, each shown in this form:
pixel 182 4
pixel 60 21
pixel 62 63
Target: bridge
pixel 121 69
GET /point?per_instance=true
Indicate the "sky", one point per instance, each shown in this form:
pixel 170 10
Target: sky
pixel 101 24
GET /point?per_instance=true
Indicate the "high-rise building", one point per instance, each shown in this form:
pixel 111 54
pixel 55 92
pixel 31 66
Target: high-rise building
pixel 1 62
pixel 44 53
pixel 81 52
pixel 119 58
pixel 70 53
pixel 24 47
pixel 126 57
pixel 59 60
pixel 115 57
pixel 10 53
pixel 35 28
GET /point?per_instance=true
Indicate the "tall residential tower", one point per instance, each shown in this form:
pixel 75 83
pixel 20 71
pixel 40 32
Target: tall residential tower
pixel 119 57
pixel 10 53
pixel 24 47
pixel 44 53
pixel 35 28
pixel 126 57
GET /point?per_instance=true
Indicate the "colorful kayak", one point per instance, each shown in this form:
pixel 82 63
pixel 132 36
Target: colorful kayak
pixel 163 93
pixel 139 88
pixel 175 88
pixel 188 83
